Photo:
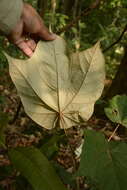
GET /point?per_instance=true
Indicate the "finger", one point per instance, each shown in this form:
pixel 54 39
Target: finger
pixel 45 34
pixel 31 44
pixel 25 48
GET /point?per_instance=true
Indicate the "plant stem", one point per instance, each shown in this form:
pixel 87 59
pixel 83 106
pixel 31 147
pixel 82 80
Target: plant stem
pixel 113 133
pixel 118 40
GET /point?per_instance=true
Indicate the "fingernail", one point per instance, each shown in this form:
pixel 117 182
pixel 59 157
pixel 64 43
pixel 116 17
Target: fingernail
pixel 29 52
pixel 54 36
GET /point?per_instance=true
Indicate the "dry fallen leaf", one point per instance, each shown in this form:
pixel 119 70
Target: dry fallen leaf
pixel 57 89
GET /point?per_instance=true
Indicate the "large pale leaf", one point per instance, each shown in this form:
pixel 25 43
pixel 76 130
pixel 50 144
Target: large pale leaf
pixel 105 163
pixel 57 89
pixel 35 167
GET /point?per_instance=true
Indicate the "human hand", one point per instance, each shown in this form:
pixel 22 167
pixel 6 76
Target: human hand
pixel 30 24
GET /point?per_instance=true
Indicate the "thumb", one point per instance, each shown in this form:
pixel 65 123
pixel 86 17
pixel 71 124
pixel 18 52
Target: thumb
pixel 45 34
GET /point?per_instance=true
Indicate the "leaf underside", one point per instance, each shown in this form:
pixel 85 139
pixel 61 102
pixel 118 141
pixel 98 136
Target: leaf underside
pixel 57 89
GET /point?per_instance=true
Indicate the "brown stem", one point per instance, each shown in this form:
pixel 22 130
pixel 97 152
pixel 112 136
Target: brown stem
pixel 118 40
pixel 113 133
pixel 86 12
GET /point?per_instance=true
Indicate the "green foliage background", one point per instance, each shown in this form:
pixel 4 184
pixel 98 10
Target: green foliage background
pixel 103 156
pixel 105 23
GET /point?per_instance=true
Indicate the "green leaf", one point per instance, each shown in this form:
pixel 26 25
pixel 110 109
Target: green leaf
pixel 2 99
pixel 3 124
pixel 51 146
pixel 103 162
pixel 117 110
pixel 1 188
pixel 57 88
pixel 67 177
pixel 35 167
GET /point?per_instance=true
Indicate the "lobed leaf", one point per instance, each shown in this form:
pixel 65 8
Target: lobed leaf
pixel 57 89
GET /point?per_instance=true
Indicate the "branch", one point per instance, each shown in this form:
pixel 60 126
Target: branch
pixel 86 12
pixel 118 40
